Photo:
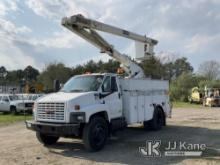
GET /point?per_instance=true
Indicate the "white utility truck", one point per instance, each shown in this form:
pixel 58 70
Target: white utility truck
pixel 92 106
pixel 14 104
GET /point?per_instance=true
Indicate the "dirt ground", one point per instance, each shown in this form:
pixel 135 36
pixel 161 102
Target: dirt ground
pixel 19 145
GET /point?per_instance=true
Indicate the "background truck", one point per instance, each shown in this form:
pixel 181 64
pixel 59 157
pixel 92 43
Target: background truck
pixel 13 104
pixel 92 106
pixel 212 97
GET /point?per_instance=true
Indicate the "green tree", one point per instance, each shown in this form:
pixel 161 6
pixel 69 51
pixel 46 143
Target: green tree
pixel 30 73
pixel 3 72
pixel 54 71
pixel 111 66
pixel 16 76
pixel 12 77
pixel 153 68
pixel 96 67
pixel 209 83
pixel 180 88
pixel 3 75
pixel 79 69
pixel 91 66
pixel 178 67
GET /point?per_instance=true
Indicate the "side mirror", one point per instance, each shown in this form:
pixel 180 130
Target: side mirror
pixel 98 95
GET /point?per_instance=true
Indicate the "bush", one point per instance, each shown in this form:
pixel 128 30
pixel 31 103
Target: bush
pixel 180 88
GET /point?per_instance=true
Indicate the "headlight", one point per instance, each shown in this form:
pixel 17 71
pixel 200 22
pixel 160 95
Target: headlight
pixel 77 107
pixel 77 117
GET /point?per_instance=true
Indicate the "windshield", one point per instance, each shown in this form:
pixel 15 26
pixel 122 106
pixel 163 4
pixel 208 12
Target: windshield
pixel 83 83
pixel 14 97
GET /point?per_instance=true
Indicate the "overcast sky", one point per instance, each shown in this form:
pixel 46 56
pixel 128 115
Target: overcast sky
pixel 31 33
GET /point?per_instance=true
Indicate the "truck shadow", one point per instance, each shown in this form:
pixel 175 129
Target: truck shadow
pixel 124 148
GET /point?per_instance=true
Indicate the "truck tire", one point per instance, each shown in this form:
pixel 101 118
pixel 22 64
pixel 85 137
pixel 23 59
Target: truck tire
pixel 157 122
pixel 95 134
pixel 46 139
pixel 13 110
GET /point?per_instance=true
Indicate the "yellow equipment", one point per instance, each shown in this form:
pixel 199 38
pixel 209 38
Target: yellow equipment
pixel 196 96
pixel 34 88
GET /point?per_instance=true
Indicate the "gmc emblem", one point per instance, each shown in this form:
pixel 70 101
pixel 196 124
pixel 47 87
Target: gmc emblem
pixel 49 112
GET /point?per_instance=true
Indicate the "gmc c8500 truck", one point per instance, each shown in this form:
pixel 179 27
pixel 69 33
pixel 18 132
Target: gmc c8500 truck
pixel 92 106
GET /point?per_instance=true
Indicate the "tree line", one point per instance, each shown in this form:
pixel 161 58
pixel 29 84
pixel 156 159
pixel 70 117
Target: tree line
pixel 179 72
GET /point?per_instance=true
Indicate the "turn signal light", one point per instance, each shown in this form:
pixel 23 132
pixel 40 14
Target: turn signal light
pixel 77 107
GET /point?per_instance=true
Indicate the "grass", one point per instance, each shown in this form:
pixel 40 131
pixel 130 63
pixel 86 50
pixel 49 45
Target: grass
pixel 8 118
pixel 178 104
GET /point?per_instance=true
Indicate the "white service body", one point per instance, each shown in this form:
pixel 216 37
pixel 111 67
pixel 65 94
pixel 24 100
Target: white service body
pixel 140 96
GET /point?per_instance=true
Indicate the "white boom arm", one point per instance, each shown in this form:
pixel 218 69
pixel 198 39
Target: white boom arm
pixel 85 28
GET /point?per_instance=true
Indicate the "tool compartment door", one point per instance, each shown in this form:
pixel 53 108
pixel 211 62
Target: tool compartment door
pixel 134 110
pixel 130 100
pixel 140 109
pixel 149 108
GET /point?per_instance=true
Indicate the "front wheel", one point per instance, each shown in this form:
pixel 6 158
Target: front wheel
pixel 46 139
pixel 95 134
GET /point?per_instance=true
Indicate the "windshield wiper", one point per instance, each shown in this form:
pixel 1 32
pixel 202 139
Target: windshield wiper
pixel 77 90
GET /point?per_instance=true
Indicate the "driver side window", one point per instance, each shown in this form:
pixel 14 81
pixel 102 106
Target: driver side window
pixel 106 86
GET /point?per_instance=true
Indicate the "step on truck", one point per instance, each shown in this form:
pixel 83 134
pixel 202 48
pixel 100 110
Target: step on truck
pixel 93 106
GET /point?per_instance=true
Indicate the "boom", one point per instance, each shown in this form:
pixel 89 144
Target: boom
pixel 85 28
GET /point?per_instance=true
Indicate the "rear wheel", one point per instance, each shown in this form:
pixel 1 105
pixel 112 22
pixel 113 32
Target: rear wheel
pixel 95 134
pixel 46 139
pixel 157 122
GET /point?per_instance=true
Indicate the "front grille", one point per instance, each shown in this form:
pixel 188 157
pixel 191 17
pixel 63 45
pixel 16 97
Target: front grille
pixel 50 111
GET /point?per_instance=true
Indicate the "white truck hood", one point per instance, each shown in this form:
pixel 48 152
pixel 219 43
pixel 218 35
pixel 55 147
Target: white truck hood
pixel 60 97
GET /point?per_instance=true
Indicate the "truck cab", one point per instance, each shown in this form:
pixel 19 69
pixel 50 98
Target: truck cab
pixel 85 94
